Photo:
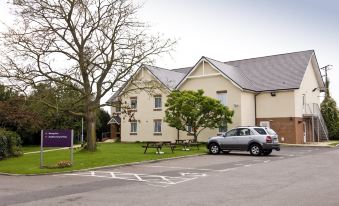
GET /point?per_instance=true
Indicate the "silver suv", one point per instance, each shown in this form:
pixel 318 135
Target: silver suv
pixel 256 140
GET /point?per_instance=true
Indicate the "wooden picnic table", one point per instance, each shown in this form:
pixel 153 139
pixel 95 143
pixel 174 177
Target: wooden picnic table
pixel 158 145
pixel 187 143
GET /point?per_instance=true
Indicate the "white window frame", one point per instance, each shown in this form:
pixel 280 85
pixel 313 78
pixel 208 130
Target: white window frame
pixel 223 129
pixel 155 102
pixel 265 124
pixel 134 130
pixel 136 102
pixel 157 129
pixel 222 97
pixel 189 129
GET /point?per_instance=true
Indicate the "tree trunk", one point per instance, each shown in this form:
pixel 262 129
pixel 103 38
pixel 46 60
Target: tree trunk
pixel 91 116
pixel 195 137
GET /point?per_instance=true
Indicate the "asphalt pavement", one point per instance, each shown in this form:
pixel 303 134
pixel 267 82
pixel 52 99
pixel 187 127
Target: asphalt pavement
pixel 292 176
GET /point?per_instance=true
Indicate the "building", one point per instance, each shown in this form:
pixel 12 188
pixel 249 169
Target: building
pixel 279 91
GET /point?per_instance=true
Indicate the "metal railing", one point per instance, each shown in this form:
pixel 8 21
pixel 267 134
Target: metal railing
pixel 314 111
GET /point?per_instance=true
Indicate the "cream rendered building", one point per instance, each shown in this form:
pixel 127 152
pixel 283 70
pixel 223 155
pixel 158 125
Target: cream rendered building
pixel 279 91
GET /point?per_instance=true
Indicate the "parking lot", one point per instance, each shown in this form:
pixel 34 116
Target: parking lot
pixel 293 176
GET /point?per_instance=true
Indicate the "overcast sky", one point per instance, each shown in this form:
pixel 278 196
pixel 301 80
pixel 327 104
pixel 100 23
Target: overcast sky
pixel 237 29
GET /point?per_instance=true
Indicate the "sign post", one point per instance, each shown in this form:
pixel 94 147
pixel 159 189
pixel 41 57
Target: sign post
pixel 56 138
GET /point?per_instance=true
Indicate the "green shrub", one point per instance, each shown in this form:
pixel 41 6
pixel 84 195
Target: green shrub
pixel 10 144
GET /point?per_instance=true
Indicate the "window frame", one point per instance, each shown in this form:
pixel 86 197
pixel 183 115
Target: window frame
pixel 155 103
pixel 221 93
pixel 132 132
pixel 136 103
pixel 156 127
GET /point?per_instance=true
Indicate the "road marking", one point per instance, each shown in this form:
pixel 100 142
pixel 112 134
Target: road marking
pixel 153 180
pixel 228 169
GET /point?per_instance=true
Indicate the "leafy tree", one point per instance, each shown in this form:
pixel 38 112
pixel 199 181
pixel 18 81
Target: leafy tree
pixel 330 114
pixel 91 47
pixel 102 126
pixel 192 108
pixel 15 114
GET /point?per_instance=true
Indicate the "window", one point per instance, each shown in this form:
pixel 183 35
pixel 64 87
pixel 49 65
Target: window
pixel 264 124
pixel 222 97
pixel 134 103
pixel 189 129
pixel 157 126
pixel 271 131
pixel 157 102
pixel 118 108
pixel 223 128
pixel 244 132
pixel 260 131
pixel 233 132
pixel 134 127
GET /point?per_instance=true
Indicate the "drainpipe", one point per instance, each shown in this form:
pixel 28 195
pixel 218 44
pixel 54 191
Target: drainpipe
pixel 255 107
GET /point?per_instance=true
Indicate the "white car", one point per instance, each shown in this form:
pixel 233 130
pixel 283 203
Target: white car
pixel 256 140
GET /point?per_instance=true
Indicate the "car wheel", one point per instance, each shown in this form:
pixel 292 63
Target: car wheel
pixel 255 149
pixel 267 152
pixel 214 148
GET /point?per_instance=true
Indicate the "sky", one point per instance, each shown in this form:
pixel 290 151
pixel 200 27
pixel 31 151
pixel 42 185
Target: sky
pixel 238 29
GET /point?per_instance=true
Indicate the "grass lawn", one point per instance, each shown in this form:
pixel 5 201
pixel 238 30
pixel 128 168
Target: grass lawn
pixel 106 154
pixel 333 143
pixel 34 148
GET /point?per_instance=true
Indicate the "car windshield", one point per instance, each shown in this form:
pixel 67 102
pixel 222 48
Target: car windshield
pixel 271 131
pixel 260 131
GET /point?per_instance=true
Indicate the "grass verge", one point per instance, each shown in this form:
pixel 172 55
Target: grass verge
pixel 106 154
pixel 333 143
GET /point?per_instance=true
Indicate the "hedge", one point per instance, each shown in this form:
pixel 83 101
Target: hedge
pixel 10 144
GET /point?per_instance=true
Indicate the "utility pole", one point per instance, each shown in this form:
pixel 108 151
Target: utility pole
pixel 326 68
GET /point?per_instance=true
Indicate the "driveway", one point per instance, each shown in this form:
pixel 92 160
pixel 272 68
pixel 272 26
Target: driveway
pixel 293 176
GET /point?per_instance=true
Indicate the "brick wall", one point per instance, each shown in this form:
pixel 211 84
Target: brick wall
pixel 290 128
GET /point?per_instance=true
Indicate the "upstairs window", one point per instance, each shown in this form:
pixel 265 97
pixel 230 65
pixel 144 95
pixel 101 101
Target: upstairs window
pixel 118 108
pixel 158 102
pixel 222 97
pixel 134 102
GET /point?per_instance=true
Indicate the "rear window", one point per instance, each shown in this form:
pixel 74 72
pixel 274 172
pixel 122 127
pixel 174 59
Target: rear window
pixel 271 131
pixel 260 130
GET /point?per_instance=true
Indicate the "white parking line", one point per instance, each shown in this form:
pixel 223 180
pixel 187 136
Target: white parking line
pixel 154 180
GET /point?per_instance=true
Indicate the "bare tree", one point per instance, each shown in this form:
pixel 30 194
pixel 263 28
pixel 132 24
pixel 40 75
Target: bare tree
pixel 90 46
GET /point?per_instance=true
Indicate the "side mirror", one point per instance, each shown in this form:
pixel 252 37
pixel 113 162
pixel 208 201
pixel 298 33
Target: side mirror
pixel 224 135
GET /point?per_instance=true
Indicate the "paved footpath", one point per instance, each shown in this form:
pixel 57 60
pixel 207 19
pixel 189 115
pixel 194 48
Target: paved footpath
pixel 293 176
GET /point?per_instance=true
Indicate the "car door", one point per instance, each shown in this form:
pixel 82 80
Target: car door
pixel 228 142
pixel 244 136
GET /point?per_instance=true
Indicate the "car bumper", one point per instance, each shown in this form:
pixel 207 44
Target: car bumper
pixel 271 146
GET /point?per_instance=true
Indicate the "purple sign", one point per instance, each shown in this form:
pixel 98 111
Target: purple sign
pixel 57 138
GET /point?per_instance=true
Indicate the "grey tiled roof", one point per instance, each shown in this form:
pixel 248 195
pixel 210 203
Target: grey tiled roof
pixel 236 75
pixel 115 120
pixel 277 72
pixel 170 78
pixel 184 70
